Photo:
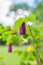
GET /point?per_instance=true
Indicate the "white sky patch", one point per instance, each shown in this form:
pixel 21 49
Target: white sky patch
pixel 29 2
pixel 4 4
pixel 23 12
pixel 30 23
pixel 4 9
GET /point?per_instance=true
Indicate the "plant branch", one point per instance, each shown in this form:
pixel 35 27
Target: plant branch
pixel 38 55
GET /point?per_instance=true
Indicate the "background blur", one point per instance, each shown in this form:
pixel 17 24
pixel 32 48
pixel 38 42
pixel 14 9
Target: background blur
pixel 21 32
pixel 8 8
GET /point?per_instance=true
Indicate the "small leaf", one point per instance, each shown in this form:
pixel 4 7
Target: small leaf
pixel 22 63
pixel 19 52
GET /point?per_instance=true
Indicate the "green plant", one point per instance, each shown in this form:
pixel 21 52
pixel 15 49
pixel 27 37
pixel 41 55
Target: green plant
pixel 28 58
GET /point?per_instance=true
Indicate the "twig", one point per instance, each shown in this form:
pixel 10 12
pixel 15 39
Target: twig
pixel 38 55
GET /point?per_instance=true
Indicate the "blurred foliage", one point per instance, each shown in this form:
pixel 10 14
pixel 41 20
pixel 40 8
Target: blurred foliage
pixel 1 29
pixel 34 35
pixel 7 28
pixel 33 55
pixel 31 18
pixel 18 23
pixel 19 6
pixel 12 35
pixel 38 11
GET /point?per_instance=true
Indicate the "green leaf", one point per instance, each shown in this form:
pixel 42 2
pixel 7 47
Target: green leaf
pixel 36 30
pixel 12 39
pixel 19 52
pixel 25 54
pixel 1 29
pixel 22 63
pixel 5 35
pixel 32 18
pixel 18 23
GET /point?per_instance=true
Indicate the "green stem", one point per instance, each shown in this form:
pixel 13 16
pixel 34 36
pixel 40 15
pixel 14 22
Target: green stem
pixel 38 55
pixel 31 33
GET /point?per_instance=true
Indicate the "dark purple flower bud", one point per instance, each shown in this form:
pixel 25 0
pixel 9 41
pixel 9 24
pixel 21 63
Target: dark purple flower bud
pixel 10 48
pixel 22 29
